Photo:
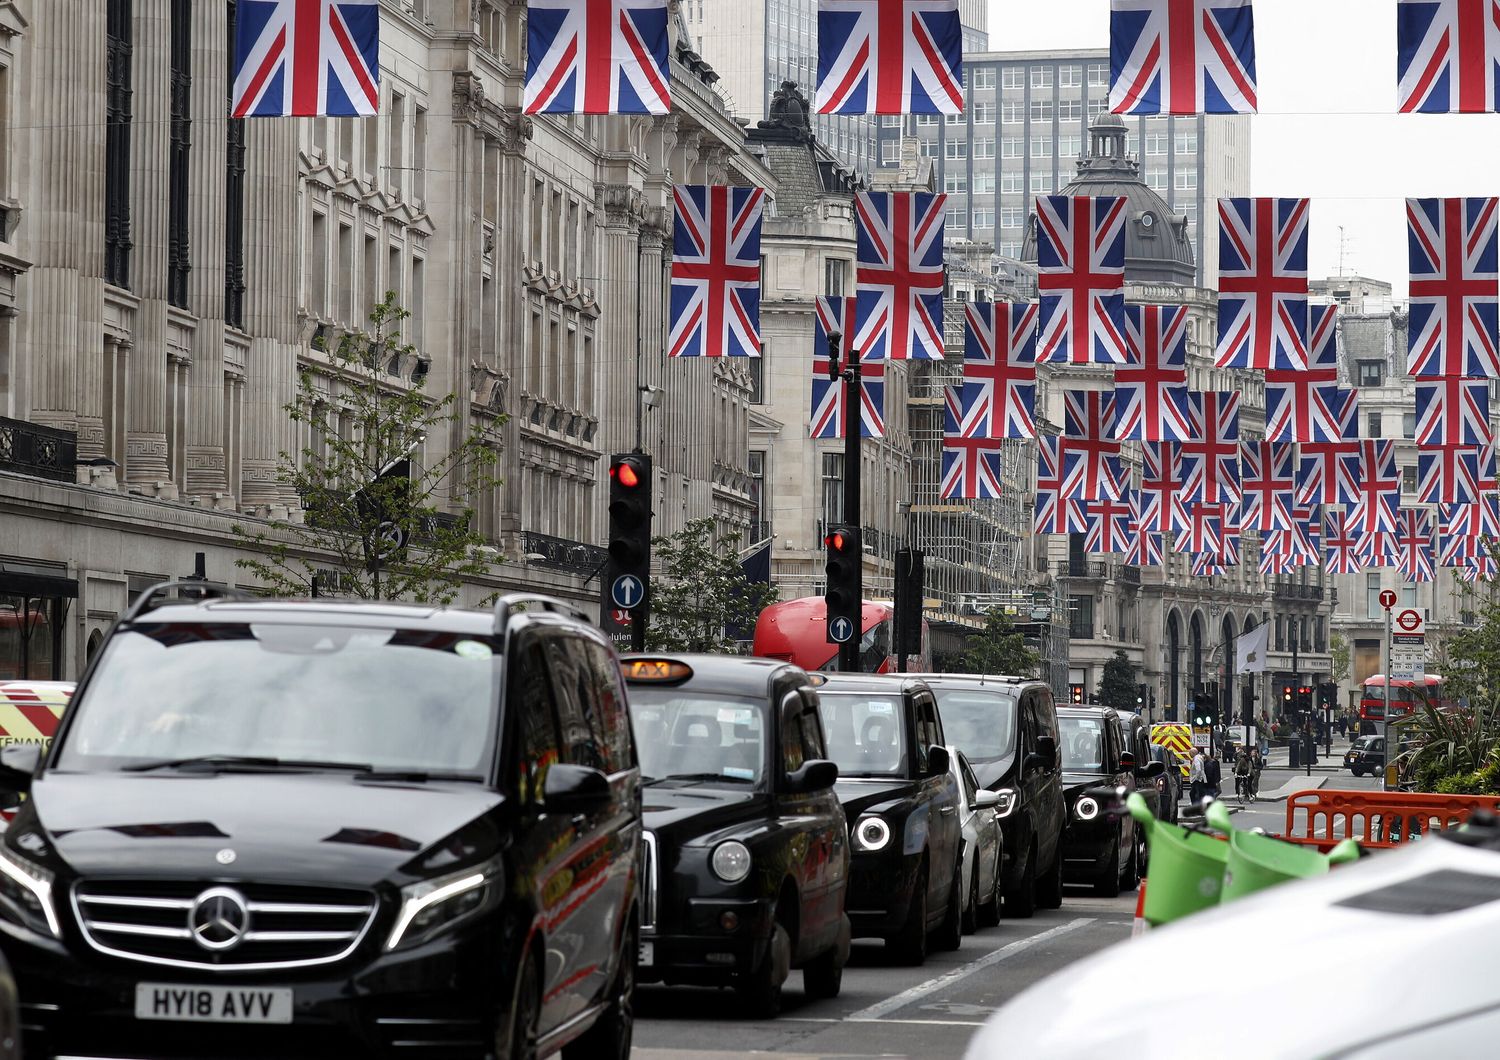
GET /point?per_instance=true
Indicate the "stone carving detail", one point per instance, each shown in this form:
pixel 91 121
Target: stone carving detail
pixel 468 96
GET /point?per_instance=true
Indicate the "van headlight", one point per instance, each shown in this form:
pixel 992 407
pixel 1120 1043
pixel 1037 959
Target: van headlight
pixel 26 893
pixel 436 905
pixel 731 861
pixel 1009 800
pixel 872 833
pixel 1086 808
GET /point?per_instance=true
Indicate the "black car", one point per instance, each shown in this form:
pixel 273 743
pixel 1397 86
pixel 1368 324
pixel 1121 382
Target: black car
pixel 1367 755
pixel 1007 728
pixel 747 850
pixel 1099 847
pixel 1168 784
pixel 902 804
pixel 317 828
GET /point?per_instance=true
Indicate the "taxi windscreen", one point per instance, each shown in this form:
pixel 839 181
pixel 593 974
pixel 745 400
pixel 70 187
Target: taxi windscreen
pixel 1081 741
pixel 686 735
pixel 865 733
pixel 979 721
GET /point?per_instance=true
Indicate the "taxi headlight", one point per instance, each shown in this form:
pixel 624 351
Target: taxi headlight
pixel 1086 808
pixel 731 861
pixel 1008 802
pixel 26 893
pixel 872 833
pixel 433 906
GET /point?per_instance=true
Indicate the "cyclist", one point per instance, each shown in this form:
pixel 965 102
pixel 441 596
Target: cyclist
pixel 1247 772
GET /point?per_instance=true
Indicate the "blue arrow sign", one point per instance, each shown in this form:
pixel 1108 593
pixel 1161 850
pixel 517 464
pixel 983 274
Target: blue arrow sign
pixel 627 591
pixel 840 630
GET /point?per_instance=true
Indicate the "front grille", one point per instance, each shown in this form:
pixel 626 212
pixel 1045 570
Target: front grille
pixel 286 926
pixel 648 881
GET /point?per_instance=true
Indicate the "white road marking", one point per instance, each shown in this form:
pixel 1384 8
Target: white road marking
pixel 913 1023
pixel 896 1002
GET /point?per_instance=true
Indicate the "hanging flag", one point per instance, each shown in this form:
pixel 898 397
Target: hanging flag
pixel 597 57
pixel 1446 56
pixel 1340 548
pixel 1376 549
pixel 1378 494
pixel 1054 513
pixel 306 58
pixel 1151 395
pixel 1460 550
pixel 972 467
pixel 1414 545
pixel 1145 547
pixel 1081 279
pixel 1455 288
pixel 1205 530
pixel 1267 484
pixel 1328 472
pixel 1453 411
pixel 1163 509
pixel 899 267
pixel 1481 518
pixel 1481 569
pixel 1109 525
pixel 1459 474
pixel 1262 284
pixel 828 395
pixel 1211 458
pixel 1181 57
pixel 1207 565
pixel 716 271
pixel 1091 465
pixel 1276 562
pixel 1229 545
pixel 1300 404
pixel 1251 650
pixel 889 57
pixel 1000 359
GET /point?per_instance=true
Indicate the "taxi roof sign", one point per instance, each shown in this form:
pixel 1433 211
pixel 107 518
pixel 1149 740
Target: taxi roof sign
pixel 656 671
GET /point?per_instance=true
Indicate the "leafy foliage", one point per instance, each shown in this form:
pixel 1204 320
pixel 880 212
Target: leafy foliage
pixel 1117 685
pixel 998 649
pixel 384 536
pixel 702 597
pixel 1341 653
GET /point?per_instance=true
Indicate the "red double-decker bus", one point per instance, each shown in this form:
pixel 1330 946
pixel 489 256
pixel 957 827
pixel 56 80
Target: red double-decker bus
pixel 1406 696
pixel 797 631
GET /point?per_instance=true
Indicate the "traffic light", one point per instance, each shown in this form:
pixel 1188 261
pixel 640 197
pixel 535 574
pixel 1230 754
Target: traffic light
pixel 1286 698
pixel 629 575
pixel 1076 693
pixel 1304 699
pixel 1205 710
pixel 842 595
pixel 908 602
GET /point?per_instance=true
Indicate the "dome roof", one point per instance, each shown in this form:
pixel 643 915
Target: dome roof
pixel 1157 248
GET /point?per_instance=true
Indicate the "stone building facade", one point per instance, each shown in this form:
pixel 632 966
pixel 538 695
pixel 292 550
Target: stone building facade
pixel 166 274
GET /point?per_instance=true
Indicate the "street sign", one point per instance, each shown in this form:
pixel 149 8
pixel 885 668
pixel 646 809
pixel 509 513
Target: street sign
pixel 1388 598
pixel 1202 736
pixel 1408 662
pixel 626 591
pixel 1411 621
pixel 840 630
pixel 621 616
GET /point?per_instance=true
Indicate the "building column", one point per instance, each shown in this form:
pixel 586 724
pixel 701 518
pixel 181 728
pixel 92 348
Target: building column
pixel 146 391
pixel 510 254
pixel 619 340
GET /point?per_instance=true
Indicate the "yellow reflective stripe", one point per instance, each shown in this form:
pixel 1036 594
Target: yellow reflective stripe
pixel 16 725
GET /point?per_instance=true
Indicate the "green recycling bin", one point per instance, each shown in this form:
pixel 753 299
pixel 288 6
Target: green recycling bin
pixel 1186 867
pixel 1260 861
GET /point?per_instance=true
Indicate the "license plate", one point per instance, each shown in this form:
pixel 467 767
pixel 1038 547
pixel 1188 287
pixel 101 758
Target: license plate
pixel 647 954
pixel 213 1004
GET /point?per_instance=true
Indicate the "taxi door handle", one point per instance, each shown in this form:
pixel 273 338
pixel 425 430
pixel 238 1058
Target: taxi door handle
pixel 948 811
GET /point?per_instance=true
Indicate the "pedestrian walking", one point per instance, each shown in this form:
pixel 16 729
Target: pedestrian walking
pixel 1212 776
pixel 1197 779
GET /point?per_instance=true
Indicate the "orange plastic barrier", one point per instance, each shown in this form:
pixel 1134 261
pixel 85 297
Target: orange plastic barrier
pixel 1376 819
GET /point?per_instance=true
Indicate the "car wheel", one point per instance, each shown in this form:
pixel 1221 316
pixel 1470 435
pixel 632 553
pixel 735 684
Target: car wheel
pixel 910 943
pixel 1020 901
pixel 515 1038
pixel 610 1035
pixel 950 933
pixel 760 994
pixel 823 976
pixel 971 902
pixel 989 909
pixel 1132 876
pixel 1049 887
pixel 1108 883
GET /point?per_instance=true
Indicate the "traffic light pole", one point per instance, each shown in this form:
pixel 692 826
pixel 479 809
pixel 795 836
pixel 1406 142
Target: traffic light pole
pixel 849 650
pixel 1385 715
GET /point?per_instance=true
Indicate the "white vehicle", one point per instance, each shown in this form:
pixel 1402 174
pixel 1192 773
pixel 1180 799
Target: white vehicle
pixel 1392 956
pixel 982 846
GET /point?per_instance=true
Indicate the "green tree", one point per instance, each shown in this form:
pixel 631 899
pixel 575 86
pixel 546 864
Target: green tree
pixel 999 649
pixel 1117 685
pixel 382 534
pixel 1341 653
pixel 701 597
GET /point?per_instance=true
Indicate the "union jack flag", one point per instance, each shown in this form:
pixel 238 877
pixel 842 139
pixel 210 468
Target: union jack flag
pixel 1455 474
pixel 1480 519
pixel 828 395
pixel 1151 396
pixel 1262 284
pixel 1055 514
pixel 1000 359
pixel 1145 550
pixel 889 57
pixel 1208 565
pixel 1480 569
pixel 1267 483
pixel 1455 287
pixel 716 271
pixel 1379 492
pixel 972 467
pixel 1457 551
pixel 1340 548
pixel 1182 57
pixel 1277 562
pixel 1375 549
pixel 596 57
pixel 1110 524
pixel 1205 530
pixel 306 58
pixel 1447 53
pixel 1091 463
pixel 1453 411
pixel 899 267
pixel 1301 404
pixel 1081 279
pixel 1163 509
pixel 1414 545
pixel 1328 472
pixel 1211 459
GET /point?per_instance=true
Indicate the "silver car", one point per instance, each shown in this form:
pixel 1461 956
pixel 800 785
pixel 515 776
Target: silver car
pixel 982 846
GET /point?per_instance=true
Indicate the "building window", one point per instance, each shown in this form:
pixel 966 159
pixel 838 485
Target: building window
pixel 757 366
pixel 1156 143
pixel 1097 107
pixel 1012 216
pixel 890 151
pixel 1041 110
pixel 984 148
pixel 984 76
pixel 1370 373
pixel 834 270
pixel 1408 425
pixel 1069 146
pixel 1185 180
pixel 954 119
pixel 1098 75
pixel 1070 76
pixel 1409 479
pixel 927 119
pixel 1011 77
pixel 954 182
pixel 890 121
pixel 234 204
pixel 181 136
pixel 1372 425
pixel 833 488
pixel 1041 77
pixel 984 183
pixel 1069 109
pixel 756 465
pixel 1010 183
pixel 1012 147
pixel 1156 180
pixel 1081 617
pixel 1187 143
pixel 1372 596
pixel 117 244
pixel 1041 147
pixel 1041 183
pixel 983 111
pixel 1012 111
pixel 984 217
pixel 956 149
pixel 956 219
pixel 928 148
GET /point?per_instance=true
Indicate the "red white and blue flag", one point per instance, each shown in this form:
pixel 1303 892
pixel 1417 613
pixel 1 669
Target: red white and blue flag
pixel 1459 474
pixel 597 57
pixel 899 268
pixel 1328 472
pixel 1480 569
pixel 1000 359
pixel 1458 551
pixel 1081 279
pixel 1205 530
pixel 1145 547
pixel 1162 508
pixel 1091 465
pixel 1414 545
pixel 1340 548
pixel 1262 284
pixel 1447 56
pixel 1376 549
pixel 1054 513
pixel 1299 403
pixel 1111 524
pixel 1480 519
pixel 1267 484
pixel 889 57
pixel 828 395
pixel 716 271
pixel 1455 287
pixel 1211 458
pixel 1453 411
pixel 972 467
pixel 1151 394
pixel 306 58
pixel 1182 57
pixel 1378 494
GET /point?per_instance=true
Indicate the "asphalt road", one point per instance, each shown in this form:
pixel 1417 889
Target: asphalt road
pixel 886 1010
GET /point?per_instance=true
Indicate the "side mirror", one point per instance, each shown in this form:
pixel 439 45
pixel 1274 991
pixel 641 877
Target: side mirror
pixel 1151 770
pixel 986 799
pixel 575 790
pixel 1127 760
pixel 18 763
pixel 816 774
pixel 937 760
pixel 1046 746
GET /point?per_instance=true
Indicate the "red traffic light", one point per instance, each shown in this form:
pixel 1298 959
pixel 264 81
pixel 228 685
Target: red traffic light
pixel 625 474
pixel 834 541
pixel 1286 691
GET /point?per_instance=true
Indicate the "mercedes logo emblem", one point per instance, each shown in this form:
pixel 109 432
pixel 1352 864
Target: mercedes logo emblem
pixel 219 918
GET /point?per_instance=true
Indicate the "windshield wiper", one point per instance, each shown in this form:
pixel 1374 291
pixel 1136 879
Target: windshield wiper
pixel 367 773
pixel 700 778
pixel 225 763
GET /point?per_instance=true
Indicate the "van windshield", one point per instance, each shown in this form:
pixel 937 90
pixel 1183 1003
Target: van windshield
pixel 979 721
pixel 422 701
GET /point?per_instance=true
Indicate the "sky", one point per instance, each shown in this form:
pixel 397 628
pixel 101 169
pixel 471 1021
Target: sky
pixel 1327 127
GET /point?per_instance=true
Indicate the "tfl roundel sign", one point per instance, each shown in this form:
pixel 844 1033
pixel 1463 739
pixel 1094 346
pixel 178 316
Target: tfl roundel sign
pixel 1411 621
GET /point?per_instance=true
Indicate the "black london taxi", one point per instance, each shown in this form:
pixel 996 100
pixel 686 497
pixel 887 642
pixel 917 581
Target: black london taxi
pixel 317 828
pixel 1006 727
pixel 747 854
pixel 902 803
pixel 1099 848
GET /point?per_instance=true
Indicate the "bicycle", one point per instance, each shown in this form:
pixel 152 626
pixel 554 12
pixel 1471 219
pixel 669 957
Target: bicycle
pixel 1245 785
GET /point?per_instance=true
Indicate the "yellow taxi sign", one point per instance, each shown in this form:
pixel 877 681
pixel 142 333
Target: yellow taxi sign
pixel 656 671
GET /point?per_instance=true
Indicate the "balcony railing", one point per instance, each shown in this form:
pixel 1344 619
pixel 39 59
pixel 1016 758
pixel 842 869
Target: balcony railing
pixel 1082 568
pixel 1130 575
pixel 558 553
pixel 41 452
